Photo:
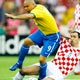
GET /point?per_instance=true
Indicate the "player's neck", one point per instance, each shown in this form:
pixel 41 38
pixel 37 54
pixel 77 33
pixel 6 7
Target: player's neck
pixel 76 45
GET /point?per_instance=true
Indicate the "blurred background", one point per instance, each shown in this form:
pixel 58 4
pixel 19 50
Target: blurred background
pixel 13 32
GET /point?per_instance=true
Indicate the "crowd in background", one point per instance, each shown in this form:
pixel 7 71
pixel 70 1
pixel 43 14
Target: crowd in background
pixel 62 11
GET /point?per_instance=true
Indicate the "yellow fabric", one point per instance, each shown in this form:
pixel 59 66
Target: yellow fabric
pixel 68 15
pixel 44 20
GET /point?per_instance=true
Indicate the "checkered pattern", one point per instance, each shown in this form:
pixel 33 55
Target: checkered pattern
pixel 77 18
pixel 66 58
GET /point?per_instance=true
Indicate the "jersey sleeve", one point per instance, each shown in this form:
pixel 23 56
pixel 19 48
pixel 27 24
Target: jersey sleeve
pixel 37 13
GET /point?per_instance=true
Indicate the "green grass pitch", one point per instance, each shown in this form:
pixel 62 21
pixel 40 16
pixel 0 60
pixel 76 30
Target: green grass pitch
pixel 7 61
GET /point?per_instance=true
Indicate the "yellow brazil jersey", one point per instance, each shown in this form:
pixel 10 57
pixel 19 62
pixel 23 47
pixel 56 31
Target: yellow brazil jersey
pixel 44 20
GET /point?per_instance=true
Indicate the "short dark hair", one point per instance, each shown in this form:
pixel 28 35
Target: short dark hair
pixel 77 32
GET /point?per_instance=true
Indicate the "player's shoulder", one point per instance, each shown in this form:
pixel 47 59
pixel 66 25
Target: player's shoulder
pixel 40 6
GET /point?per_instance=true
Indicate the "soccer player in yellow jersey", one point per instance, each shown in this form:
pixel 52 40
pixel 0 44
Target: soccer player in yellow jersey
pixel 47 34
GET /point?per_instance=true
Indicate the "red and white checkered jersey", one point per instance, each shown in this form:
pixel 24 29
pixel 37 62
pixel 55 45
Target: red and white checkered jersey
pixel 66 58
pixel 77 18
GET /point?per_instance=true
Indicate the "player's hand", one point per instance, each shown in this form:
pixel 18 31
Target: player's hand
pixel 10 15
pixel 70 30
pixel 15 66
pixel 67 36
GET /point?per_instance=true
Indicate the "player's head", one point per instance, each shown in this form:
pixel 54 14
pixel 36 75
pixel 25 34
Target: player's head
pixel 75 36
pixel 29 5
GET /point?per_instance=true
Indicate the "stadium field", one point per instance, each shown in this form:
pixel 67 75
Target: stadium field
pixel 7 61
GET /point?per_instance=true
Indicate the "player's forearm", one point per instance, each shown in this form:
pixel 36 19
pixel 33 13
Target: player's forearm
pixel 65 36
pixel 24 16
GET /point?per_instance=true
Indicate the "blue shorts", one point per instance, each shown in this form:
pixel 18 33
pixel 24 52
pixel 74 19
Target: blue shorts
pixel 49 43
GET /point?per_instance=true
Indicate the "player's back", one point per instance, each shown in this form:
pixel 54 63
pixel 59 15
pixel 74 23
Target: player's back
pixel 44 20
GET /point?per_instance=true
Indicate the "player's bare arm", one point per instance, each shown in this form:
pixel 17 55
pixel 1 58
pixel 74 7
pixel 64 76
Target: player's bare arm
pixel 21 17
pixel 30 70
pixel 65 36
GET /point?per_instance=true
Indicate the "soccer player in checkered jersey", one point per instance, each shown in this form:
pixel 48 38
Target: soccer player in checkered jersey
pixel 77 28
pixel 67 57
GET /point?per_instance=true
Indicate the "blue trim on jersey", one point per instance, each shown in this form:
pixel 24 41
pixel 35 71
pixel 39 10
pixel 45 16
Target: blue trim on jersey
pixel 49 42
